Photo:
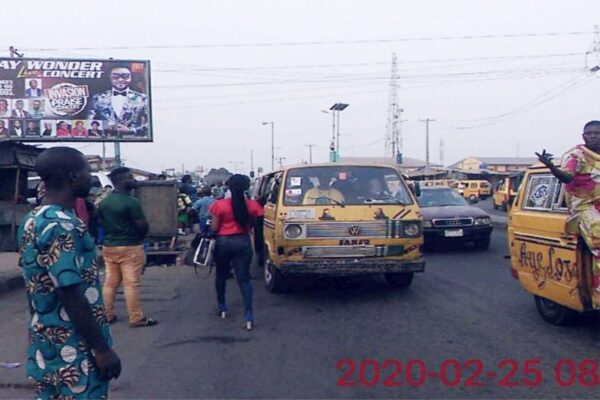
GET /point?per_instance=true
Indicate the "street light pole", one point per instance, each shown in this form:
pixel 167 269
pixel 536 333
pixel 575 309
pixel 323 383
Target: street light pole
pixel 310 146
pixel 272 143
pixel 335 142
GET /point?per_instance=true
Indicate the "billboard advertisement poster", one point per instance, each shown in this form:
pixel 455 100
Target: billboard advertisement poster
pixel 75 100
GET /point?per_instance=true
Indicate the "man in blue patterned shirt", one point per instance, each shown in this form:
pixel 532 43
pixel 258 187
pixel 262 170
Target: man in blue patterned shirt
pixel 70 354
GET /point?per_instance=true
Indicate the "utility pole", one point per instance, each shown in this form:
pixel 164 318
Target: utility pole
pixel 251 160
pixel 427 121
pixel 117 154
pixel 272 143
pixel 442 152
pixel 310 146
pixel 393 137
pixel 103 166
pixel 594 65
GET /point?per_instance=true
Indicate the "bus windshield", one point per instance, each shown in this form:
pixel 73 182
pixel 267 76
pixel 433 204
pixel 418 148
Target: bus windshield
pixel 345 185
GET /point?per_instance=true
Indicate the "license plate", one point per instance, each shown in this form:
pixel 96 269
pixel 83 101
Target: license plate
pixel 453 233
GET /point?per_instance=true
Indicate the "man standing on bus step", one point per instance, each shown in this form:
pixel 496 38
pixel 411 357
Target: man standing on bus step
pixel 125 227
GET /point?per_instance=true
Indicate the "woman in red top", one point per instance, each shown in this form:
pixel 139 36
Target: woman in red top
pixel 79 129
pixel 62 129
pixel 232 221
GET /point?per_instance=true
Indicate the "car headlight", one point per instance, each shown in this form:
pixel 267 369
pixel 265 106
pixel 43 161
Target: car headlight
pixel 411 229
pixel 293 231
pixel 427 224
pixel 482 221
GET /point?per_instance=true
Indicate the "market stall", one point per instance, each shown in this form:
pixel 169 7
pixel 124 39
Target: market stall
pixel 17 162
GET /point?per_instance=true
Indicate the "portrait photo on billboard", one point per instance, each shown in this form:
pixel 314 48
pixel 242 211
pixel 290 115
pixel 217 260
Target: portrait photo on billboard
pixel 4 133
pixel 75 100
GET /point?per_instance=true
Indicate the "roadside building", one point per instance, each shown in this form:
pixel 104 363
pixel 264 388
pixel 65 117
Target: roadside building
pixel 491 169
pixel 414 168
pixel 98 164
pixel 494 164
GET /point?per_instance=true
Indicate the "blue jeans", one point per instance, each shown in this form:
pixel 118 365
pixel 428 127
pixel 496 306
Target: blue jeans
pixel 234 251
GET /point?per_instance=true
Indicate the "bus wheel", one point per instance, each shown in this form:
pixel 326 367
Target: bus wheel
pixel 399 280
pixel 275 282
pixel 554 313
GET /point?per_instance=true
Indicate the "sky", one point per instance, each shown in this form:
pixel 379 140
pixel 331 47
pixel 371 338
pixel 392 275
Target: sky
pixel 500 78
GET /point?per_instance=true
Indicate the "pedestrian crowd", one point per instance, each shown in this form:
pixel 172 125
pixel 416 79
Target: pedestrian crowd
pixel 70 352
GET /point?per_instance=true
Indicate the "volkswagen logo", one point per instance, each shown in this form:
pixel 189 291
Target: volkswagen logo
pixel 354 230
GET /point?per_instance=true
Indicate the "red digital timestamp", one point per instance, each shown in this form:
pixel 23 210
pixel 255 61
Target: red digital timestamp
pixel 470 373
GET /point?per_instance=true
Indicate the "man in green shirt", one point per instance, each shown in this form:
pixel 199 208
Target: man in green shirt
pixel 123 251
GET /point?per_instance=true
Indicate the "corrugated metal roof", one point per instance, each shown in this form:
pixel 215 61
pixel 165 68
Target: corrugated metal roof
pixel 501 161
pixel 407 162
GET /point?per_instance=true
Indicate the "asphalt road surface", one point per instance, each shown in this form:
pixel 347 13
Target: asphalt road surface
pixel 466 306
pixel 487 205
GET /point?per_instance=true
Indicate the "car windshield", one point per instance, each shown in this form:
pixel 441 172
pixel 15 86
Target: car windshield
pixel 345 185
pixel 440 197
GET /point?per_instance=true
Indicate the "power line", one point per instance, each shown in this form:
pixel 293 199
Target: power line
pixel 187 67
pixel 278 100
pixel 372 78
pixel 317 43
pixel 542 96
pixel 282 99
pixel 366 144
pixel 493 120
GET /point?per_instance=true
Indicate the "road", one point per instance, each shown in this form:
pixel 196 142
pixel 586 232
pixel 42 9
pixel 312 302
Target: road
pixel 488 206
pixel 466 306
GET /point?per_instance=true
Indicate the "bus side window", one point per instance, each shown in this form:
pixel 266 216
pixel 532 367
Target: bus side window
pixel 274 189
pixel 264 190
pixel 560 200
pixel 542 192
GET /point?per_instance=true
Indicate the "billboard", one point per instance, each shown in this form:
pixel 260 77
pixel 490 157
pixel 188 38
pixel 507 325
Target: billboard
pixel 75 100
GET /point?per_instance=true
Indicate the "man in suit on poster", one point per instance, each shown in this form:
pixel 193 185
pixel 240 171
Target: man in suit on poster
pixel 19 110
pixel 3 128
pixel 122 107
pixel 33 90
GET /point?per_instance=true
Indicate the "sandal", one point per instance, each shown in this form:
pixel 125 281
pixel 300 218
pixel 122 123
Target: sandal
pixel 145 322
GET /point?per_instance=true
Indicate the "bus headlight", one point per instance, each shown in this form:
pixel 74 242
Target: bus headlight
pixel 293 231
pixel 412 229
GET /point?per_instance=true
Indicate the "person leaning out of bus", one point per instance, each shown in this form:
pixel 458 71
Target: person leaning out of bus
pixel 232 221
pixel 579 172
